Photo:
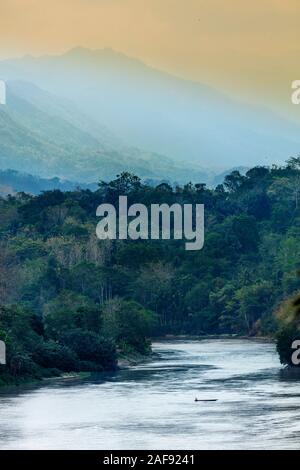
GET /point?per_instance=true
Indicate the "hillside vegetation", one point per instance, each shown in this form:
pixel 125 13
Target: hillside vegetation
pixel 70 302
pixel 48 136
pixel 288 317
pixel 152 110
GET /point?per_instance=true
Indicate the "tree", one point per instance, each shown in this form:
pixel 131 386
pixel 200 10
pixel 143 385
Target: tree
pixel 131 325
pixel 234 181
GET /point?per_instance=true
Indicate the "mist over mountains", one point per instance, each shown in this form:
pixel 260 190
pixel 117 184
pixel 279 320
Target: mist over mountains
pixel 88 114
pixel 48 136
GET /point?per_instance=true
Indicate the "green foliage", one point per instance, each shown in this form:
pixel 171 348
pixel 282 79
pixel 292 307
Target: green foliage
pixel 288 317
pixel 71 302
pixel 90 347
pixel 285 338
pixel 50 354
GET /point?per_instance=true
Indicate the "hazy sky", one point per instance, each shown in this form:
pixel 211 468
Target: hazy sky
pixel 250 48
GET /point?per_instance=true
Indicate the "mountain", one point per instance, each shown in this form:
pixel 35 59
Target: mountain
pixel 158 112
pixel 219 179
pixel 48 136
pixel 12 182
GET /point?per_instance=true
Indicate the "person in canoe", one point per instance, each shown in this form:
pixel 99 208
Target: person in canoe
pixel 211 399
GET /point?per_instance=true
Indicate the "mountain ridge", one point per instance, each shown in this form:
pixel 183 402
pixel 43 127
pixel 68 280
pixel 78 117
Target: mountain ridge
pixel 40 134
pixel 163 114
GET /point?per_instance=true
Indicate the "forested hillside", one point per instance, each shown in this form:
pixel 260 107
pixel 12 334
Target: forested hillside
pixel 12 181
pixel 70 302
pixel 146 108
pixel 48 136
pixel 288 316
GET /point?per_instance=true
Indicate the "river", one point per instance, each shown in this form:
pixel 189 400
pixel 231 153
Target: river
pixel 151 406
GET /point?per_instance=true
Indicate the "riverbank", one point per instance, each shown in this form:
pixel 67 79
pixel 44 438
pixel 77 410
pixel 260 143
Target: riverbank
pixel 125 361
pixel 134 359
pixel 152 405
pixel 266 339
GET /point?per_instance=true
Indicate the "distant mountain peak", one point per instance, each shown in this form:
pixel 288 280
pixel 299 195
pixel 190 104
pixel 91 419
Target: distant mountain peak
pixel 150 109
pixel 81 50
pixel 107 54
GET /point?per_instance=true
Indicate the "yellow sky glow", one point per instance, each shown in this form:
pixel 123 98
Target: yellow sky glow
pixel 250 49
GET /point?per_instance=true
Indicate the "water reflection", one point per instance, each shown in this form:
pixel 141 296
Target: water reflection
pixel 151 406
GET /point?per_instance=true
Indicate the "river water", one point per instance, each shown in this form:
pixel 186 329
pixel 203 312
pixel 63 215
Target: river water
pixel 151 406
